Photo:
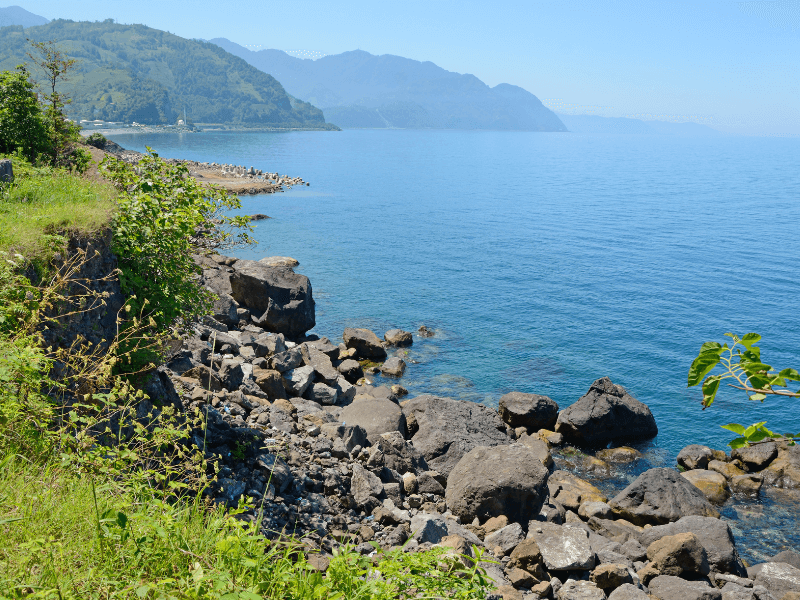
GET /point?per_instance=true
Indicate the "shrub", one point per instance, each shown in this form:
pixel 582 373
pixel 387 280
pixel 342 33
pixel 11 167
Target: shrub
pixel 22 125
pixel 98 140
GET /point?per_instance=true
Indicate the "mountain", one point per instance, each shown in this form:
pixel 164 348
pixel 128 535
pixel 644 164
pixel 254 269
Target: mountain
pixel 16 15
pixel 134 73
pixel 357 89
pixel 623 125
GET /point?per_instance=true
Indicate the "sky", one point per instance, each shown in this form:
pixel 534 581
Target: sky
pixel 732 65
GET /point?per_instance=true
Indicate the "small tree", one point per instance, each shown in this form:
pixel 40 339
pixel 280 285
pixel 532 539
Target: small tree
pixel 22 125
pixel 63 134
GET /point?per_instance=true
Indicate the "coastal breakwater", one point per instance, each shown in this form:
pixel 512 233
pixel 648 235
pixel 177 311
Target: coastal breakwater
pixel 298 425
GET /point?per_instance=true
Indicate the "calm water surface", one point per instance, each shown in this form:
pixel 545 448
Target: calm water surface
pixel 545 261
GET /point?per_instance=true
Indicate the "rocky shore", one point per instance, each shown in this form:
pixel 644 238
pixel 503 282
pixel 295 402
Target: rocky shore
pixel 299 427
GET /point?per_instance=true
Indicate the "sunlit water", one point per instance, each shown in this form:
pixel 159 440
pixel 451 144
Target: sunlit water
pixel 545 261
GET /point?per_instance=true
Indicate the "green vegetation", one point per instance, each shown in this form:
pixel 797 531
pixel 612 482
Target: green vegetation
pixel 22 125
pixel 96 140
pixel 134 73
pixel 741 362
pixel 44 204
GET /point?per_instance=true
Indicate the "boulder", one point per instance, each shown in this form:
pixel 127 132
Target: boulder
pixel 620 531
pixel 580 590
pixel 571 491
pixel 680 555
pixel 351 370
pixel 295 381
pixel 365 342
pixel 375 415
pixel 231 374
pixel 784 470
pixel 282 297
pixel 270 382
pixel 526 555
pixel 279 261
pixel 506 538
pixel 321 362
pixel 443 429
pixel 605 414
pixel 539 448
pixel 695 456
pixel 398 337
pixel 757 456
pixel 660 496
pixel 364 484
pixel 621 454
pixel 268 344
pixel 610 576
pixel 713 485
pixel 790 557
pixel 563 547
pixel 669 587
pixel 394 367
pixel 428 528
pixel 726 469
pixel 6 170
pixel 224 309
pixel 601 510
pixel 628 591
pixel 747 485
pixel 322 393
pixel 778 578
pixel 400 455
pixel 501 480
pixel 431 482
pixel 531 411
pixel 715 536
pixel 286 360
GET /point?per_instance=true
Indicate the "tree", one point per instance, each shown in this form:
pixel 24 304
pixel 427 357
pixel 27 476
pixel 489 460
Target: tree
pixel 63 133
pixel 22 125
pixel 741 363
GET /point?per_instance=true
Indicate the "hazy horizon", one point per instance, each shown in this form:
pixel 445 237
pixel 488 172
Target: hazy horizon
pixel 731 65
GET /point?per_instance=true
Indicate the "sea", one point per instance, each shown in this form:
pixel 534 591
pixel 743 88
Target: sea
pixel 544 261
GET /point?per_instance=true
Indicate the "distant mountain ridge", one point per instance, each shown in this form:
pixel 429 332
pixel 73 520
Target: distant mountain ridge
pixel 16 15
pixel 357 89
pixel 135 73
pixel 627 126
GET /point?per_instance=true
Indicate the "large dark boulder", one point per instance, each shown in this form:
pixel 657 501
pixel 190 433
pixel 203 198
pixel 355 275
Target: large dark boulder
pixel 503 480
pixel 660 496
pixel 532 411
pixel 606 413
pixel 365 343
pixel 375 415
pixel 280 296
pixel 444 429
pixel 714 535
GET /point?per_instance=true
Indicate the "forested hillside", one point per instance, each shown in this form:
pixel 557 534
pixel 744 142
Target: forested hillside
pixel 131 73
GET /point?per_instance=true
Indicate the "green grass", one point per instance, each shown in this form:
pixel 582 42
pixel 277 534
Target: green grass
pixel 44 203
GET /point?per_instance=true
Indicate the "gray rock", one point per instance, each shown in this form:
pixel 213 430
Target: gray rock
pixel 531 411
pixel 563 547
pixel 606 413
pixel 443 429
pixel 714 535
pixel 580 590
pixel 295 381
pixel 268 344
pixel 321 363
pixel 230 374
pixel 319 392
pixel 758 456
pixel 394 367
pixel 279 261
pixel 790 557
pixel 669 587
pixel 286 360
pixel 224 310
pixel 351 370
pixel 400 455
pixel 429 482
pixel 659 496
pixel 695 456
pixel 627 591
pixel 539 448
pixel 364 484
pixel 636 551
pixel 502 480
pixel 281 419
pixel 398 337
pixel 428 528
pixel 506 538
pixel 601 510
pixel 365 343
pixel 6 170
pixel 283 297
pixel 778 578
pixel 375 415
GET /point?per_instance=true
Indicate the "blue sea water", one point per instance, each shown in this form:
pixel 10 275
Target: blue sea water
pixel 543 261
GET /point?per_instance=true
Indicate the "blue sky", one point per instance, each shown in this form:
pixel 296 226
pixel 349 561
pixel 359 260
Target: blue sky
pixel 732 65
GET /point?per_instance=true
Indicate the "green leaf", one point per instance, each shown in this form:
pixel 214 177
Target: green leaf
pixel 749 339
pixel 790 374
pixel 758 396
pixel 701 366
pixel 710 387
pixel 734 427
pixel 738 443
pixel 142 591
pixel 711 347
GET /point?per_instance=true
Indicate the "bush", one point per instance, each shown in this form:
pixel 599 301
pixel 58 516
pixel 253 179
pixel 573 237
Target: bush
pixel 22 124
pixel 98 140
